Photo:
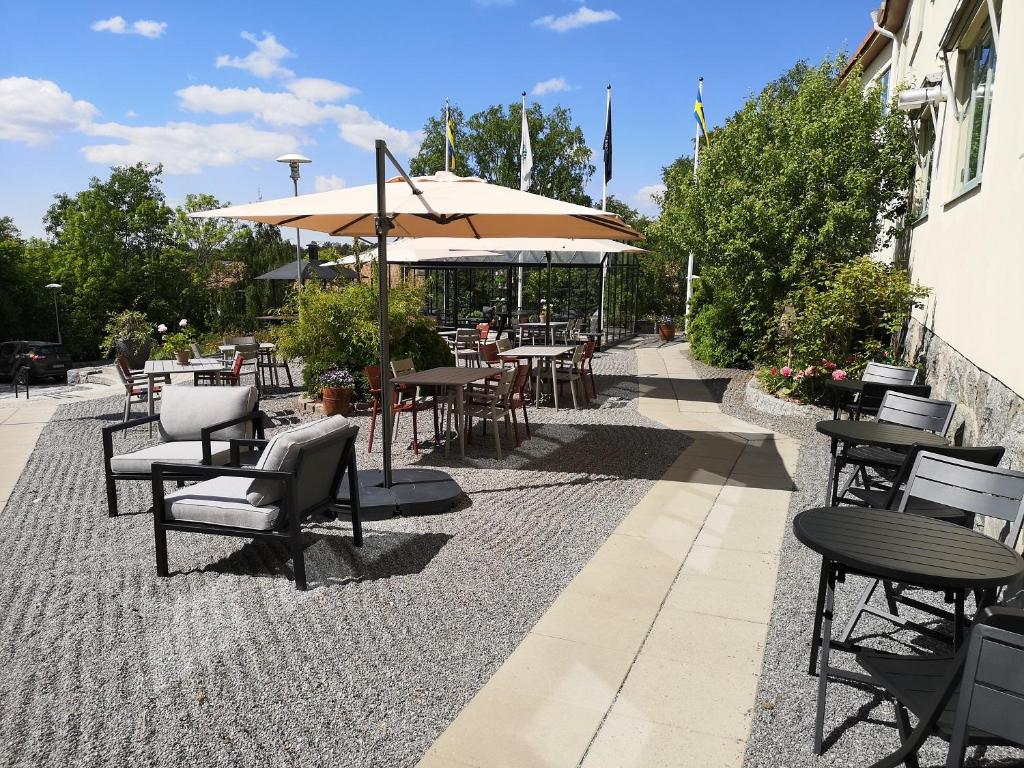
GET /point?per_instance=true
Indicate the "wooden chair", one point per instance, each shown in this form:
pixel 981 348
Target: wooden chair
pixel 467 346
pixel 587 369
pixel 567 372
pixel 519 385
pixel 412 405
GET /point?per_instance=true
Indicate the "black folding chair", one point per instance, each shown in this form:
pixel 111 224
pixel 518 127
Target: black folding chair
pixel 975 697
pixel 974 489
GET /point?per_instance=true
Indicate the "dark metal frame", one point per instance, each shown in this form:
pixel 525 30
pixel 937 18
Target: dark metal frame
pixel 181 472
pixel 289 526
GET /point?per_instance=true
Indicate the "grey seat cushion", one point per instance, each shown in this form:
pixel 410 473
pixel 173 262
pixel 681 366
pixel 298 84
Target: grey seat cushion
pixel 186 411
pixel 220 501
pixel 184 452
pixel 282 453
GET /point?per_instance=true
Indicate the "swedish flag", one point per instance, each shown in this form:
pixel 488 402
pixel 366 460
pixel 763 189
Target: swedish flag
pixel 449 144
pixel 698 110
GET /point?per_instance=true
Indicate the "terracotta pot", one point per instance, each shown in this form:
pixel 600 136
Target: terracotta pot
pixel 183 356
pixel 337 401
pixel 666 331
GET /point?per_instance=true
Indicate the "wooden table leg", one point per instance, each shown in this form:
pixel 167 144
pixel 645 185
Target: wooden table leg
pixel 554 383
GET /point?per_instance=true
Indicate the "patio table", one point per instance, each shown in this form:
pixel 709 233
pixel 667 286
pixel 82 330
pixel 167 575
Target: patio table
pixel 548 354
pixel 870 433
pixel 454 379
pixel 901 547
pixel 555 324
pixel 843 391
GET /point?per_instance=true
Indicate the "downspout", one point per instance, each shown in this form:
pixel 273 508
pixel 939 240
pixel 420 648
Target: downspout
pixel 895 46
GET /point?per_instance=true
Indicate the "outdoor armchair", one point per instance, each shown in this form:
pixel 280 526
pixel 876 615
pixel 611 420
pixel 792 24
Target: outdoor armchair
pixel 975 697
pixel 195 425
pixel 297 476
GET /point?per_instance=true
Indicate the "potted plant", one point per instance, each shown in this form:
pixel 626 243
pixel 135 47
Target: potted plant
pixel 336 385
pixel 128 333
pixel 179 343
pixel 667 327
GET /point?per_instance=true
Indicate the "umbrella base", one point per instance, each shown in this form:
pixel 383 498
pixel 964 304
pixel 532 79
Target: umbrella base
pixel 412 492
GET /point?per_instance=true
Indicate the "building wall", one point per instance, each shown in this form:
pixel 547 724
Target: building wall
pixel 969 247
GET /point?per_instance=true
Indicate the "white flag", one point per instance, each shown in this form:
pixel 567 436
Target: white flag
pixel 525 153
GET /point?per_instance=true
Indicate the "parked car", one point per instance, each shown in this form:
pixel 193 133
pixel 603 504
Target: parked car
pixel 40 359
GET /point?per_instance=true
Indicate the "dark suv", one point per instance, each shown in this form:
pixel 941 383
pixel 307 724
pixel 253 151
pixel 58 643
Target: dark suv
pixel 40 359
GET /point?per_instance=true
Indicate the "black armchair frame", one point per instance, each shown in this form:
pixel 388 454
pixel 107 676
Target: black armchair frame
pixel 180 472
pixel 289 525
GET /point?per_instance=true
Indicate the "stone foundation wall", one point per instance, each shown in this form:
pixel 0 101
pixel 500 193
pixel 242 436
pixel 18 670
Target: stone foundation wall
pixel 987 411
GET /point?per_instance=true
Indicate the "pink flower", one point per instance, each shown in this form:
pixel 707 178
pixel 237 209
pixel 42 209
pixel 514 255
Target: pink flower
pixel 799 375
pixel 182 323
pixel 829 365
pixel 775 371
pixel 161 328
pixel 787 371
pixel 838 374
pixel 810 371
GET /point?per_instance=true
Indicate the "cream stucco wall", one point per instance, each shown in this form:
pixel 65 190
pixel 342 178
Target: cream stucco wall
pixel 970 248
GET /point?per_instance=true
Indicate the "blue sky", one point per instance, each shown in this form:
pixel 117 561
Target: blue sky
pixel 217 90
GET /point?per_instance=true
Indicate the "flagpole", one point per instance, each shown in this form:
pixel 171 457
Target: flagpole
pixel 604 206
pixel 444 135
pixel 696 163
pixel 522 161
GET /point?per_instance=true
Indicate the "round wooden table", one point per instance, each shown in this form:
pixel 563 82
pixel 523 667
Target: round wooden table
pixel 900 547
pixel 869 433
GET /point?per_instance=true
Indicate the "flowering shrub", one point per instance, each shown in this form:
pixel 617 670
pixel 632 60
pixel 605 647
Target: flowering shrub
pixel 336 377
pixel 800 383
pixel 178 341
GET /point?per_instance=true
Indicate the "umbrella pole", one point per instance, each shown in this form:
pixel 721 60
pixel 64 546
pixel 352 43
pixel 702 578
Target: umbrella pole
pixel 383 225
pixel 547 314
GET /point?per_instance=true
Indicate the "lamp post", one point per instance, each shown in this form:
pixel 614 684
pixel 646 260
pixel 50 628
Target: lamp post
pixel 55 288
pixel 293 162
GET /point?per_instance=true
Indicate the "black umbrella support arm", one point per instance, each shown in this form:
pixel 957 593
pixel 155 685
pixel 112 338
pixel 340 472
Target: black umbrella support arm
pixel 384 225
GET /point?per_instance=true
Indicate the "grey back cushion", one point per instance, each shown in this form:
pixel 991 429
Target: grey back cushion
pixel 186 411
pixel 322 441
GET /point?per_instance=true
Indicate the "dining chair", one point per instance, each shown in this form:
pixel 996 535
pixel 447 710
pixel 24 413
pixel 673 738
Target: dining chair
pixel 399 404
pixel 889 374
pixel 587 369
pixel 976 489
pixel 519 386
pixel 467 346
pixel 494 406
pixel 136 386
pixel 567 372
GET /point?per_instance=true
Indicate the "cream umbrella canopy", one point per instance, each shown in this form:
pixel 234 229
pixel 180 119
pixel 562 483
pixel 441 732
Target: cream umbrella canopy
pixel 442 205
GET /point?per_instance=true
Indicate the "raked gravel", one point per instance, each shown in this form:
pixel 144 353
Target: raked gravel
pixel 859 726
pixel 226 664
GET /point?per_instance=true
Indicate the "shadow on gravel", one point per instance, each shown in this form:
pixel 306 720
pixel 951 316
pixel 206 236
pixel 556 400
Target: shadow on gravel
pixel 332 560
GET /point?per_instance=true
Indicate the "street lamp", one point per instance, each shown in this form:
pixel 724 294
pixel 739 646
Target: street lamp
pixel 55 287
pixel 293 162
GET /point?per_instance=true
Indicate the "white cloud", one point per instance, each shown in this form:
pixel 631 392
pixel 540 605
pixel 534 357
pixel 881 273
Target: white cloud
pixel 131 113
pixel 263 62
pixel 582 17
pixel 644 199
pixel 327 183
pixel 117 25
pixel 320 89
pixel 34 111
pixel 355 125
pixel 186 148
pixel 554 85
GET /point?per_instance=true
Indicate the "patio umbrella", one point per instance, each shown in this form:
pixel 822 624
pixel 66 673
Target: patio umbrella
pixel 442 205
pixel 310 268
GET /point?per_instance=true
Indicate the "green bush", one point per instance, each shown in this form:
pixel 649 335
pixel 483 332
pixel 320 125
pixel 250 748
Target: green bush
pixel 340 327
pixel 129 326
pixel 807 176
pixel 854 319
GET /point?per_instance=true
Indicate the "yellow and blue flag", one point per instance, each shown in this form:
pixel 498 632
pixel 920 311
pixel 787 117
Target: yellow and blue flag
pixel 698 110
pixel 449 143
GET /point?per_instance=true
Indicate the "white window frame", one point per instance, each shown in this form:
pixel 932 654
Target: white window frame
pixel 924 168
pixel 967 95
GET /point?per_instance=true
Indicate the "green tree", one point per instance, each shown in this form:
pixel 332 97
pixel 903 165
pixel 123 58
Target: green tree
pixel 807 176
pixel 487 145
pixel 204 238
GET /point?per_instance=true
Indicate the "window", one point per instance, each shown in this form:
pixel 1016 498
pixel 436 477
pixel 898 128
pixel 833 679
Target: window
pixel 883 82
pixel 923 170
pixel 976 72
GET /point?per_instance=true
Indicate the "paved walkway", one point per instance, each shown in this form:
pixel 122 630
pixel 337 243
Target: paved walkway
pixel 21 421
pixel 651 656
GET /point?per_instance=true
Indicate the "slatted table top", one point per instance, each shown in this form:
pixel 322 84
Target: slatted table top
pixel 907 548
pixel 172 366
pixel 883 435
pixel 536 351
pixel 449 376
pixel 848 386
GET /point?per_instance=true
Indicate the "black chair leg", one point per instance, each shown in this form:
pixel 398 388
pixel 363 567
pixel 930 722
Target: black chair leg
pixel 160 536
pixel 298 561
pixel 111 497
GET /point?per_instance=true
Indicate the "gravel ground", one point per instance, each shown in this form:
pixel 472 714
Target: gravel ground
pixel 225 664
pixel 859 726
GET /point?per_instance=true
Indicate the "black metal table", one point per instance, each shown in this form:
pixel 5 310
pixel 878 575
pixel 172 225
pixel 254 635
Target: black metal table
pixel 869 433
pixel 901 547
pixel 843 391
